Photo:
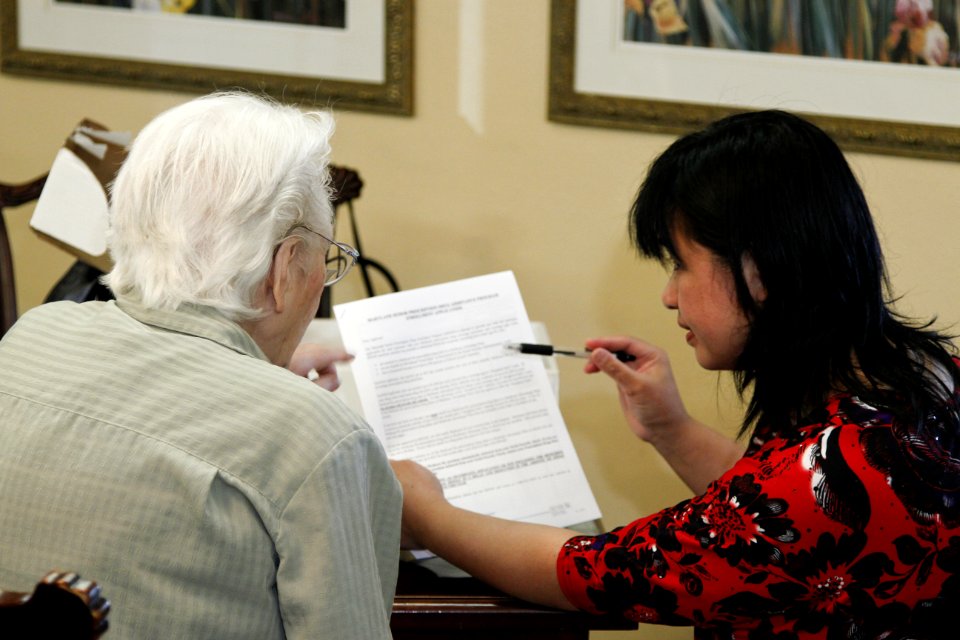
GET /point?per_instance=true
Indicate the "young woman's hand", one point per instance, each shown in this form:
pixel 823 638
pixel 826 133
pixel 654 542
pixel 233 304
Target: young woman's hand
pixel 653 408
pixel 648 392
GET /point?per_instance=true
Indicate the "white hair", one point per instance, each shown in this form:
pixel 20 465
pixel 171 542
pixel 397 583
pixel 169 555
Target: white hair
pixel 207 192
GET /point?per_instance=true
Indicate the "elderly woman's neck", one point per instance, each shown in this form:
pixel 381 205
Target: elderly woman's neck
pixel 273 338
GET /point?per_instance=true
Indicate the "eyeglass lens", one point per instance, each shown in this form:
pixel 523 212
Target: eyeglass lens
pixel 338 263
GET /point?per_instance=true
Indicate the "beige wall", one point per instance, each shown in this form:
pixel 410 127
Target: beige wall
pixel 448 196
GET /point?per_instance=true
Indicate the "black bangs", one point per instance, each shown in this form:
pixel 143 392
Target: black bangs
pixel 653 213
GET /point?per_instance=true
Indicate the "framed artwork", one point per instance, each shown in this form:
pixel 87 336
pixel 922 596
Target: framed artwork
pixel 880 76
pixel 345 54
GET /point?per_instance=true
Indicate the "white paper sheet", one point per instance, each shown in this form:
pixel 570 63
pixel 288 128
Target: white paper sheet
pixel 73 206
pixel 437 385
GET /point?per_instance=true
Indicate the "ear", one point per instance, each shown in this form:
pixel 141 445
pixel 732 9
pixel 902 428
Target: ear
pixel 279 278
pixel 751 274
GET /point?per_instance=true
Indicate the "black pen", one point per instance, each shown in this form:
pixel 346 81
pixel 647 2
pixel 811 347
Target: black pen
pixel 550 350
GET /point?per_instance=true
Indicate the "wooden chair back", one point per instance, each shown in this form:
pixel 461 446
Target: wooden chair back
pixel 12 195
pixel 63 606
pixel 346 186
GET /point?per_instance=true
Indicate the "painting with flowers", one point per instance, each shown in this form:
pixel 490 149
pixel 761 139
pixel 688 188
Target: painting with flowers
pixel 900 31
pixel 879 75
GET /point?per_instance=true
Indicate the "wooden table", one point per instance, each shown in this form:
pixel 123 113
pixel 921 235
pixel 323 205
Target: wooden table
pixel 430 607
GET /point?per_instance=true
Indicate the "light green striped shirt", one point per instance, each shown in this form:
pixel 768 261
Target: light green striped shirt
pixel 211 493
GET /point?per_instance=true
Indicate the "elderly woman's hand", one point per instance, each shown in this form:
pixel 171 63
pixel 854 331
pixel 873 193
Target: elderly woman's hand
pixel 318 363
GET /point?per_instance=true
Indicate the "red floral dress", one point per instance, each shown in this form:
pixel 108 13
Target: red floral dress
pixel 847 528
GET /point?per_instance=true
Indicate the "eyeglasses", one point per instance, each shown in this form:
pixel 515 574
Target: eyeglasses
pixel 343 258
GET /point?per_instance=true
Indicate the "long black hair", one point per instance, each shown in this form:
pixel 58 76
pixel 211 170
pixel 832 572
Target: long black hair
pixel 774 187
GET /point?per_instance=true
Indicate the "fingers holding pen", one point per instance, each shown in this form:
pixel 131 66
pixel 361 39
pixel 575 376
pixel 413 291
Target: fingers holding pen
pixel 615 347
pixel 648 392
pixel 648 376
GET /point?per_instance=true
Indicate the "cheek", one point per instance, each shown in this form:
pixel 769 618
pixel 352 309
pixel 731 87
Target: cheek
pixel 735 337
pixel 723 330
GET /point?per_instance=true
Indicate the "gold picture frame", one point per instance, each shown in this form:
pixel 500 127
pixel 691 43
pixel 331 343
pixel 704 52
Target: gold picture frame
pixel 390 93
pixel 637 112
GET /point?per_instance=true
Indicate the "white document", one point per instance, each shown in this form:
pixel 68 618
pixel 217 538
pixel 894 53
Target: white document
pixel 438 387
pixel 73 206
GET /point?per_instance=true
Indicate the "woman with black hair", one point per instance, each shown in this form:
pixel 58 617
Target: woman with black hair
pixel 840 516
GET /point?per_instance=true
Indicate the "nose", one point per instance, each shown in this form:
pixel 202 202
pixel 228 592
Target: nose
pixel 669 295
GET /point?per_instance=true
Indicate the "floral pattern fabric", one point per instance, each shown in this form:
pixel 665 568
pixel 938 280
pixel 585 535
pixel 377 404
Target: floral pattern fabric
pixel 847 528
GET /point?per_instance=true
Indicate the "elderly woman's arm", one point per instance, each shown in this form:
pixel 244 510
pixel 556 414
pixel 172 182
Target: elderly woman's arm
pixel 490 549
pixel 318 363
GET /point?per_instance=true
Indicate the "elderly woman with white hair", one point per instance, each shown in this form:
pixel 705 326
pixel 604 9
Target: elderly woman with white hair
pixel 168 443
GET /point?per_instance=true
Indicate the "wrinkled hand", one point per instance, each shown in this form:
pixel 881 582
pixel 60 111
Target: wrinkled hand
pixel 314 357
pixel 421 493
pixel 648 392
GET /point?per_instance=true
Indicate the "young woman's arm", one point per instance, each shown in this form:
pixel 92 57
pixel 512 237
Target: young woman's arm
pixel 516 557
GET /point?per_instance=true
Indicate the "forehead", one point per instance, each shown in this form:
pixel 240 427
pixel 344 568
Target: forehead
pixel 682 242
